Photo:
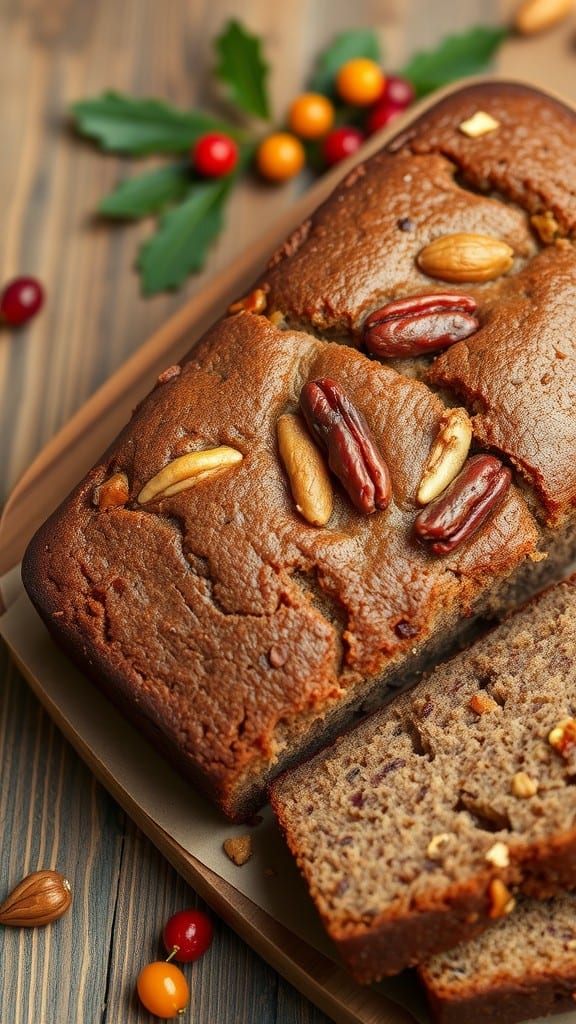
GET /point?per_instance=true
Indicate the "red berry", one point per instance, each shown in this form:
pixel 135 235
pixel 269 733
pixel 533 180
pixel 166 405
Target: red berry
pixel 382 113
pixel 340 143
pixel 398 91
pixel 20 300
pixel 187 935
pixel 214 155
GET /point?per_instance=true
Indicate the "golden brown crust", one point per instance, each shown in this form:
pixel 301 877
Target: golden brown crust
pixel 224 624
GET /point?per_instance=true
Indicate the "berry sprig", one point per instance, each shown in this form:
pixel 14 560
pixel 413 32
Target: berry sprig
pixel 350 95
pixel 162 987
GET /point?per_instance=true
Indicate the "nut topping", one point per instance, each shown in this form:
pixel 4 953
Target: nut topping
pixel 307 473
pixel 448 454
pixel 420 324
pixel 186 470
pixel 463 507
pixel 466 257
pixel 254 302
pixel 481 123
pixel 352 453
pixel 112 493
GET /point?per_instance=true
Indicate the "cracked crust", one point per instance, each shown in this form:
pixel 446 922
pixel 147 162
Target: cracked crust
pixel 179 609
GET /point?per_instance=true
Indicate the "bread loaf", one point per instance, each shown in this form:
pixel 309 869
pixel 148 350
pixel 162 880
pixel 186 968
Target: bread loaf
pixel 240 606
pixel 416 830
pixel 522 968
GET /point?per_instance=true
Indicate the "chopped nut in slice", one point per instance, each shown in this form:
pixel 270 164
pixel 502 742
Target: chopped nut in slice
pixel 563 736
pixel 502 901
pixel 482 703
pixel 523 785
pixel 307 472
pixel 437 845
pixel 186 470
pixel 479 124
pixel 448 454
pixel 498 855
pixel 546 226
pixel 466 257
pixel 112 493
pixel 238 849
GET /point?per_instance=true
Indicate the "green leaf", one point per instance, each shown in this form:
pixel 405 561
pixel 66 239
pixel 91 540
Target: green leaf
pixel 147 193
pixel 242 69
pixel 185 234
pixel 456 57
pixel 355 43
pixel 138 127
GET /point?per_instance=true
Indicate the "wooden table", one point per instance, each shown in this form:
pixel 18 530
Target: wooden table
pixel 53 812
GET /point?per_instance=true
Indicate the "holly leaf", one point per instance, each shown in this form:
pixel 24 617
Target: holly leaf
pixel 346 46
pixel 186 232
pixel 138 127
pixel 243 70
pixel 457 56
pixel 147 193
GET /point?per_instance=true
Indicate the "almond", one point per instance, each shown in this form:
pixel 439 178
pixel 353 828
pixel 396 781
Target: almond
pixel 186 470
pixel 39 899
pixel 534 16
pixel 447 456
pixel 306 470
pixel 466 257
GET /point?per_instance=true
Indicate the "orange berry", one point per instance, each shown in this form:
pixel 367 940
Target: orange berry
pixel 280 156
pixel 163 989
pixel 311 115
pixel 360 81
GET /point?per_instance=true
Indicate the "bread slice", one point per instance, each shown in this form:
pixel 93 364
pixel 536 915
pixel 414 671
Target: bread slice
pixel 415 831
pixel 522 968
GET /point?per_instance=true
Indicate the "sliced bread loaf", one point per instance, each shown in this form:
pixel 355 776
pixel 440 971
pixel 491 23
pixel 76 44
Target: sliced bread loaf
pixel 522 968
pixel 415 830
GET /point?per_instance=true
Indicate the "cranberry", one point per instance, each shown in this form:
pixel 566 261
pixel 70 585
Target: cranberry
pixel 398 91
pixel 215 155
pixel 20 300
pixel 187 935
pixel 381 114
pixel 340 143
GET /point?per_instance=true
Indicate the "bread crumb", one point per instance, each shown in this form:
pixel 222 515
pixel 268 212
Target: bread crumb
pixel 238 849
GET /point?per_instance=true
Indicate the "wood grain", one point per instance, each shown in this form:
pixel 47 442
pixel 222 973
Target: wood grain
pixel 52 810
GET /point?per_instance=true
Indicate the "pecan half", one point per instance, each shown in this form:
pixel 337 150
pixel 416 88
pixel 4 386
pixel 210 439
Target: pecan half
pixel 452 518
pixel 419 324
pixel 352 452
pixel 188 469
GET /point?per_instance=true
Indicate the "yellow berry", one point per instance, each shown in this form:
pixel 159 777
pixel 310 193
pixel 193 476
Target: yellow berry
pixel 360 81
pixel 280 156
pixel 311 115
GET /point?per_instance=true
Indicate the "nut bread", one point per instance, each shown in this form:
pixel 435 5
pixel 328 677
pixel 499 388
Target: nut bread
pixel 417 828
pixel 326 494
pixel 522 968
